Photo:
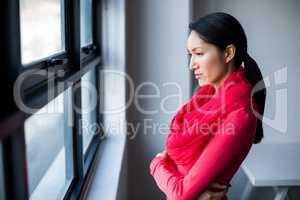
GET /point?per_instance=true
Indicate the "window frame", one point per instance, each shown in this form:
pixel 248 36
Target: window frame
pixel 88 52
pixel 76 61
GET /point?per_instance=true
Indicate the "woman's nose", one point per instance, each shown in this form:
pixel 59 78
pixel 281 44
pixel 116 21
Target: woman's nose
pixel 192 65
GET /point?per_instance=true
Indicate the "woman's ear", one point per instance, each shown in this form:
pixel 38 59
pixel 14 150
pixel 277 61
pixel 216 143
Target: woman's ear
pixel 229 53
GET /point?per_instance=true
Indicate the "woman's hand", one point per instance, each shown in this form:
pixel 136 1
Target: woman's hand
pixel 162 154
pixel 215 191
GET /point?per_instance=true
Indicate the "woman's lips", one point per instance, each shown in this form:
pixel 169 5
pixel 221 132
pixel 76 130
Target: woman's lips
pixel 198 76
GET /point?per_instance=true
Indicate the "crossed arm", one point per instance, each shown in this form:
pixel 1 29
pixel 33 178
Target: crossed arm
pixel 221 150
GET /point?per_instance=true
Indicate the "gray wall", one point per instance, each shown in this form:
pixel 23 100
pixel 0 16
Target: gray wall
pixel 156 52
pixel 273 31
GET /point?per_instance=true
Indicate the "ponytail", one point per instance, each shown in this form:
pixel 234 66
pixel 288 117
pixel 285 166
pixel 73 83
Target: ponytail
pixel 254 76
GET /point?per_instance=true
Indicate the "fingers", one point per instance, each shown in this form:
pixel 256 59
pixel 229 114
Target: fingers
pixel 209 195
pixel 218 195
pixel 163 154
pixel 218 186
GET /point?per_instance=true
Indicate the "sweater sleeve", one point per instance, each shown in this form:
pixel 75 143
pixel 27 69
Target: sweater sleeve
pixel 235 132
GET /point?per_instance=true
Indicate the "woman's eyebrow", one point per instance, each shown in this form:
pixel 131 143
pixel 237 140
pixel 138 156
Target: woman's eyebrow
pixel 195 48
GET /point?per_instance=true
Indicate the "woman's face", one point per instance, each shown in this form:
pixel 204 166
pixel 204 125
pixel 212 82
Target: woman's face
pixel 207 61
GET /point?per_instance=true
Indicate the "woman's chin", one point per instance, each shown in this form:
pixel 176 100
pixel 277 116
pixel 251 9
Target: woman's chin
pixel 201 82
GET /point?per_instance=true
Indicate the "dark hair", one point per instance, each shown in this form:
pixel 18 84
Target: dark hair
pixel 221 30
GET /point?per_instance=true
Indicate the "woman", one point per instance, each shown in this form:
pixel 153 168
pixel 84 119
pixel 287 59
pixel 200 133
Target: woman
pixel 213 132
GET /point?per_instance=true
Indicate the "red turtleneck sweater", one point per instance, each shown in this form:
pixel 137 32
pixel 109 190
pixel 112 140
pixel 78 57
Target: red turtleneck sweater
pixel 218 159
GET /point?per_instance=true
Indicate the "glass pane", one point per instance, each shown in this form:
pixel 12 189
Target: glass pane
pixel 86 22
pixel 42 28
pixel 89 103
pixel 48 136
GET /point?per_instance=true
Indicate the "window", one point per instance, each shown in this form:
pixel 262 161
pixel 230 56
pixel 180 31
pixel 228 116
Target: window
pixel 42 29
pixel 89 102
pixel 49 153
pixel 86 22
pixel 48 135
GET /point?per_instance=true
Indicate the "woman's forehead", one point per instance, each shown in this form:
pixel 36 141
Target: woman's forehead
pixel 196 45
pixel 194 41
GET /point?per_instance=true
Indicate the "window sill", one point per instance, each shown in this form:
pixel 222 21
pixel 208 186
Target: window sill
pixel 106 179
pixel 111 157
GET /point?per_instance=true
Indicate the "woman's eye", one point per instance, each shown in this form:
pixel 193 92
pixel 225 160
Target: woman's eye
pixel 198 54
